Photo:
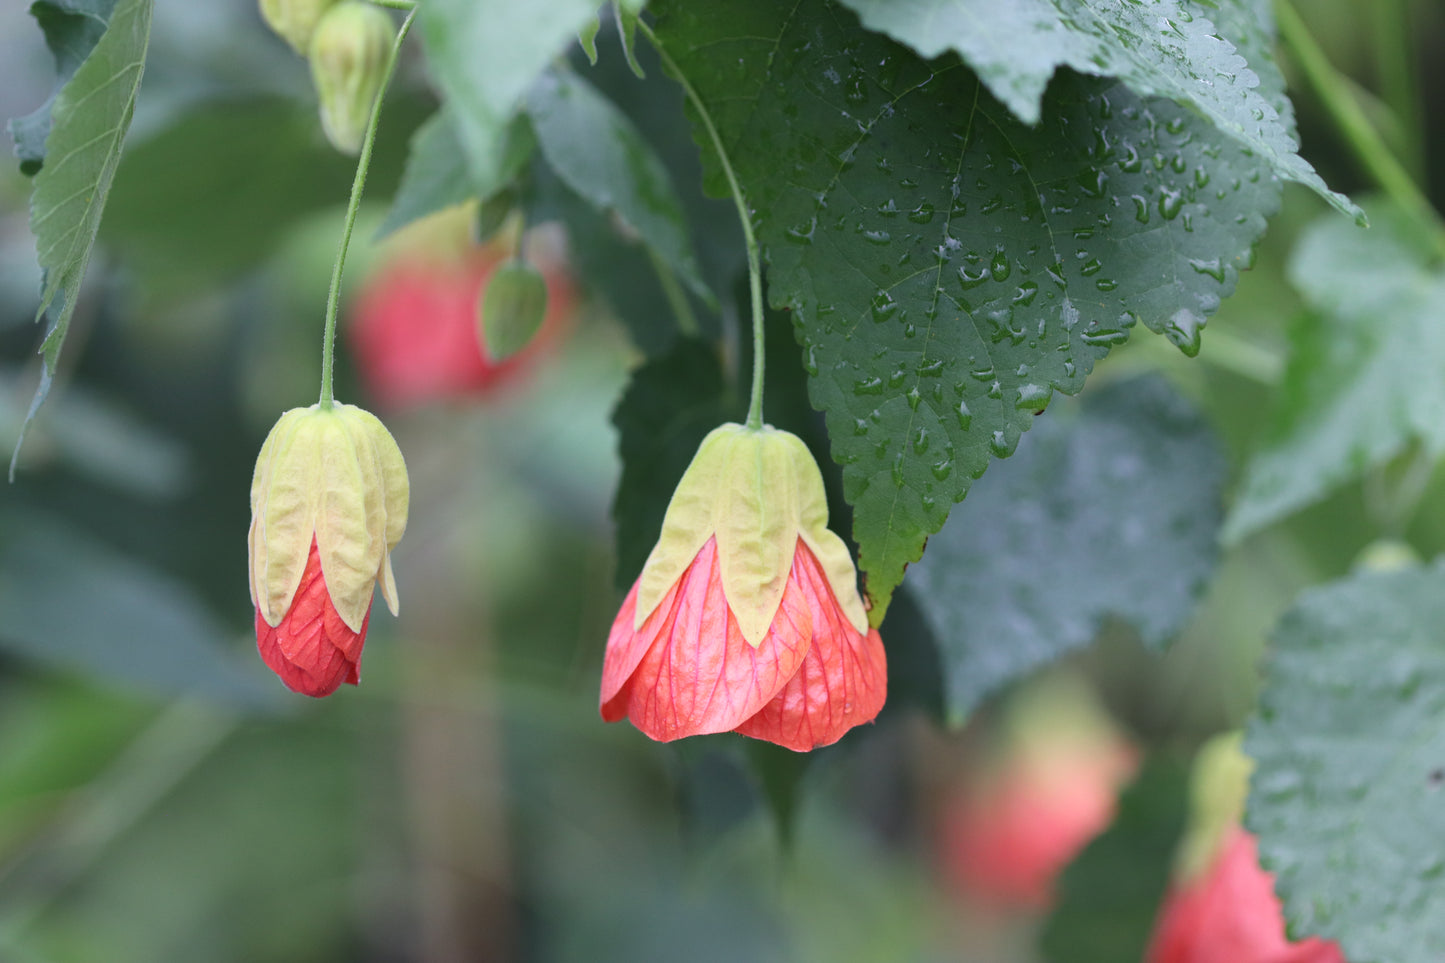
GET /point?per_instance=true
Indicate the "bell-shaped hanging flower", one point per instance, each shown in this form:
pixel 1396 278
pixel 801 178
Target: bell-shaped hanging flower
pixel 328 504
pixel 349 51
pixel 746 616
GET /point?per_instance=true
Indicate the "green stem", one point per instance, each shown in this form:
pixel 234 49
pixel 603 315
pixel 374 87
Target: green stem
pixel 396 4
pixel 755 271
pixel 1395 66
pixel 1369 147
pixel 676 297
pixel 358 185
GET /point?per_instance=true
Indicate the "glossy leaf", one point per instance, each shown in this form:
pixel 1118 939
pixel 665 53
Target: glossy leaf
pixel 1109 896
pixel 1109 511
pixel 948 267
pixel 1159 48
pixel 89 120
pixel 598 153
pixel 1363 379
pixel 72 29
pixel 1349 743
pixel 671 403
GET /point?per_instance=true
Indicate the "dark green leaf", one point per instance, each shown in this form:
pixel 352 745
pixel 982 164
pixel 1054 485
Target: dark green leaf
pixel 69 601
pixel 1110 894
pixel 1107 511
pixel 1159 48
pixel 1349 742
pixel 438 173
pixel 72 29
pixel 89 120
pixel 949 267
pixel 671 404
pixel 598 153
pixel 1363 379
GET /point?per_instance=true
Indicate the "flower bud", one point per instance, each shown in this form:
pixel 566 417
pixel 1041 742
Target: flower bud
pixel 512 309
pixel 349 53
pixel 294 20
pixel 328 504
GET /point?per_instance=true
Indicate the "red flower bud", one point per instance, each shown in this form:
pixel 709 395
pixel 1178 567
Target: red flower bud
pixel 313 650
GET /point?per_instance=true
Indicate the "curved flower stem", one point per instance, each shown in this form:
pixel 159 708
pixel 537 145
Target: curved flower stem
pixel 1368 146
pixel 328 338
pixel 755 271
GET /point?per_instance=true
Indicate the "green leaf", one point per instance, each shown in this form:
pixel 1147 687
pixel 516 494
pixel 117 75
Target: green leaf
pixel 485 54
pixel 89 121
pixel 1349 742
pixel 670 405
pixel 1110 894
pixel 598 153
pixel 949 267
pixel 69 601
pixel 72 29
pixel 1109 511
pixel 627 34
pixel 439 173
pixel 587 37
pixel 1159 48
pixel 1363 378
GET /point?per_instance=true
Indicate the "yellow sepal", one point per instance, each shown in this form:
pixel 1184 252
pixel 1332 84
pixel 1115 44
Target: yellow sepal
pixel 757 491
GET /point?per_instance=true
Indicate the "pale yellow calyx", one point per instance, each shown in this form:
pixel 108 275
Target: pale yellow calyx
pixel 1218 786
pixel 756 491
pixel 335 475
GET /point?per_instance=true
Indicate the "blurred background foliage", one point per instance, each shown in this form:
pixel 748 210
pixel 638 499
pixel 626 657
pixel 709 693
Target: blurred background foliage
pixel 162 798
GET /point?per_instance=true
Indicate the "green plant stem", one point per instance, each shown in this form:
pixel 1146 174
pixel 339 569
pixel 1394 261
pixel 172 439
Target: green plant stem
pixel 396 4
pixel 755 271
pixel 676 297
pixel 1368 146
pixel 1395 66
pixel 358 185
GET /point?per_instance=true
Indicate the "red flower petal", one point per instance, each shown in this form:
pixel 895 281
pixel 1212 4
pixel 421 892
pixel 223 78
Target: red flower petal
pixel 842 683
pixel 697 673
pixel 1231 915
pixel 312 650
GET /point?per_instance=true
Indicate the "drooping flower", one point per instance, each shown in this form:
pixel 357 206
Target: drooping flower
pixel 746 616
pixel 328 504
pixel 1222 907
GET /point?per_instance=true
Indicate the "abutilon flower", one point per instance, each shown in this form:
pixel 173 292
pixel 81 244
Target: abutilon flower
pixel 746 616
pixel 328 504
pixel 1223 908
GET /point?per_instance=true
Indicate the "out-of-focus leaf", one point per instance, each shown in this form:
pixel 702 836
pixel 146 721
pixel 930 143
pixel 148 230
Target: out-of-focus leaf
pixel 1107 511
pixel 72 29
pixel 1159 48
pixel 1363 380
pixel 1109 896
pixel 215 192
pixel 71 602
pixel 671 404
pixel 1349 746
pixel 89 120
pixel 948 267
pixel 485 54
pixel 598 153
pixel 438 174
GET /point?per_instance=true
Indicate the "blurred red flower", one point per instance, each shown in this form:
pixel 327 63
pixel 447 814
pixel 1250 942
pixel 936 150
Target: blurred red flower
pixel 413 328
pixel 1230 914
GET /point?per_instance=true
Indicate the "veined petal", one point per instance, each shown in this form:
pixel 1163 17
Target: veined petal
pixel 842 683
pixel 625 648
pixel 312 649
pixel 700 675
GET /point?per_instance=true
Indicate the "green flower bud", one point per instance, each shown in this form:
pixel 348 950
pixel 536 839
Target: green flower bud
pixel 512 308
pixel 349 53
pixel 294 20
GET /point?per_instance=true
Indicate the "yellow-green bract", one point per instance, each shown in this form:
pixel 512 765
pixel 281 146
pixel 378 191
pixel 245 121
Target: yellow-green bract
pixel 349 52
